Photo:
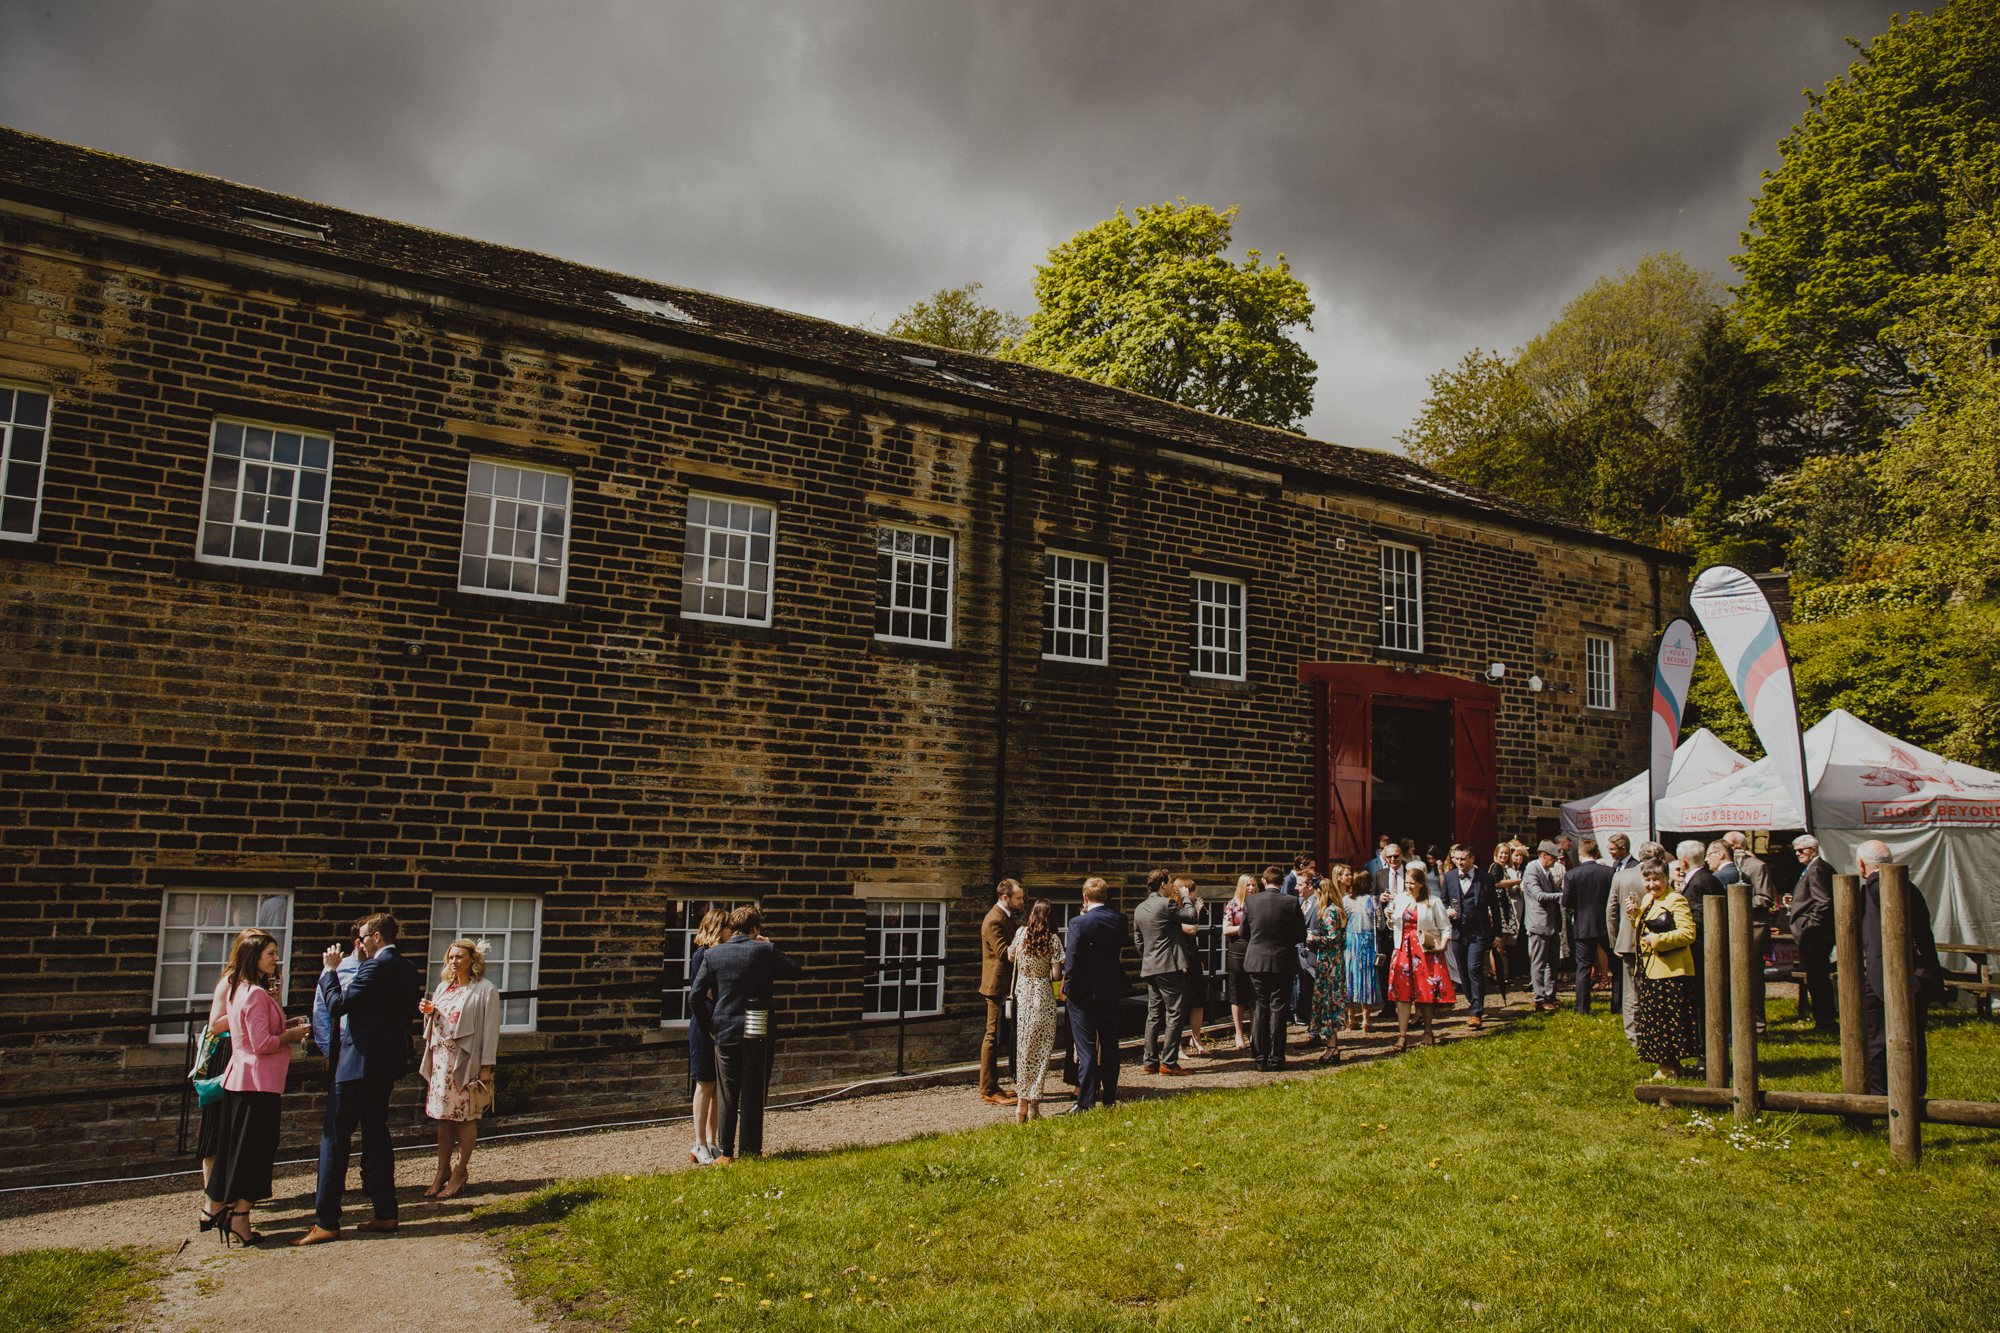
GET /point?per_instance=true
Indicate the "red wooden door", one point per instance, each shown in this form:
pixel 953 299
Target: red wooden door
pixel 1475 777
pixel 1349 774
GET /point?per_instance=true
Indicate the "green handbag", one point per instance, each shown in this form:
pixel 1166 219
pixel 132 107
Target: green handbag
pixel 213 1055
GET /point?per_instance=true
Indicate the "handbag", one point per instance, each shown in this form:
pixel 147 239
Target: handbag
pixel 479 1097
pixel 211 1061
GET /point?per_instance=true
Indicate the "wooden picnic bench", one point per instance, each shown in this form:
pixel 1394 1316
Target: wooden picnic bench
pixel 1983 989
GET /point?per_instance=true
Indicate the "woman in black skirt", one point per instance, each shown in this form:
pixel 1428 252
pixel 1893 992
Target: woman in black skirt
pixel 1667 1027
pixel 260 1055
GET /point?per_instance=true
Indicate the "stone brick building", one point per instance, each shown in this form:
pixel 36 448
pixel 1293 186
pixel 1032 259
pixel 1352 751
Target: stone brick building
pixel 346 564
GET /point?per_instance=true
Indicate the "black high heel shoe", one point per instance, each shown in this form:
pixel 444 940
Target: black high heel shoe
pixel 209 1219
pixel 231 1235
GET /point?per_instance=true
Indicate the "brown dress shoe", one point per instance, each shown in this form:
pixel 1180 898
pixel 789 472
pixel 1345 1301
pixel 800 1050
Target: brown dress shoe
pixel 319 1235
pixel 383 1224
pixel 1173 1071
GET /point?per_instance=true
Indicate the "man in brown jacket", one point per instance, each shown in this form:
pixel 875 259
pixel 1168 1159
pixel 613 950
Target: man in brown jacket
pixel 996 983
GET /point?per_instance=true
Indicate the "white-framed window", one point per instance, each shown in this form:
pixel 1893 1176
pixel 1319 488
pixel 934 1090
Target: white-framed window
pixel 906 944
pixel 1076 599
pixel 726 572
pixel 1402 597
pixel 264 498
pixel 1599 676
pixel 676 972
pixel 516 540
pixel 912 586
pixel 24 446
pixel 1221 627
pixel 511 926
pixel 197 929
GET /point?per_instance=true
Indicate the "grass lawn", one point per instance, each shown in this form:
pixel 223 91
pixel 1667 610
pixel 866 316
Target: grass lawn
pixel 1506 1183
pixel 68 1291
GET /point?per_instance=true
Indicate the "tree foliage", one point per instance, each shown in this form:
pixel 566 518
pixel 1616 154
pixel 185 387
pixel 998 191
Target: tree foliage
pixel 957 319
pixel 1633 411
pixel 1150 302
pixel 1845 231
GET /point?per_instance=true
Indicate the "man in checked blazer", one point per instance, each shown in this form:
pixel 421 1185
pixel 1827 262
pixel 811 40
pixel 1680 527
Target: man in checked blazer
pixel 996 983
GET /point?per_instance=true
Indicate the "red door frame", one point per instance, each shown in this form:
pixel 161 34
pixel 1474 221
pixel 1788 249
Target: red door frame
pixel 1344 697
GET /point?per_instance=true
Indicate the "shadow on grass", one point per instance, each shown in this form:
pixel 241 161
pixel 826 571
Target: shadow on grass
pixel 551 1205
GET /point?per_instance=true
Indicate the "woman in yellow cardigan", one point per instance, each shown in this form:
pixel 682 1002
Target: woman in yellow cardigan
pixel 1669 1031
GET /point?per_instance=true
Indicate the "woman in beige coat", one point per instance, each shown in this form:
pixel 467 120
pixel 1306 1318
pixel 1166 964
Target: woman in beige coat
pixel 461 1041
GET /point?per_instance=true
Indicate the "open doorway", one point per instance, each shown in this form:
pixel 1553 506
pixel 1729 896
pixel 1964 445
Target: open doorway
pixel 1411 752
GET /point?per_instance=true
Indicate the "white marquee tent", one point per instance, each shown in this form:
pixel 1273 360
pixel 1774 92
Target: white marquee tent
pixel 1700 760
pixel 1940 818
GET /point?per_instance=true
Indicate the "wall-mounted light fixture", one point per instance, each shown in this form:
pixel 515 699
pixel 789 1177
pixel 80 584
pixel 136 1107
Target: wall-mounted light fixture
pixel 413 648
pixel 1536 684
pixel 1496 670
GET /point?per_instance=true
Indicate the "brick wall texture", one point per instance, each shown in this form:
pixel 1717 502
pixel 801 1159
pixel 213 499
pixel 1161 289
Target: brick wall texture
pixel 372 736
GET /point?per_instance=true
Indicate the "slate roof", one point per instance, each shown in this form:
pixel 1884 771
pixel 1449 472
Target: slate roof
pixel 87 182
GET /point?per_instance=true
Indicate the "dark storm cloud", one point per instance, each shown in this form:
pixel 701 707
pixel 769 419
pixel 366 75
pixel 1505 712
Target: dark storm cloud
pixel 1441 174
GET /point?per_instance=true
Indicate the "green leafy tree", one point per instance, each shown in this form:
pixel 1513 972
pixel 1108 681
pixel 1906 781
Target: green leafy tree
pixel 1149 302
pixel 956 318
pixel 1586 419
pixel 1857 216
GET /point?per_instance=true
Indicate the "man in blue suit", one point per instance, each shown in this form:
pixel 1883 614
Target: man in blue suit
pixel 732 1006
pixel 372 1014
pixel 1473 905
pixel 1093 984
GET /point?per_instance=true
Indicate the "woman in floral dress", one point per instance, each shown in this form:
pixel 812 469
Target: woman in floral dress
pixel 1363 913
pixel 1326 936
pixel 1418 977
pixel 1037 954
pixel 461 1041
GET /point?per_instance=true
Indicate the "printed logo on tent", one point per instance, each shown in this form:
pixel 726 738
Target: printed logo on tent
pixel 1722 816
pixel 1607 817
pixel 1904 813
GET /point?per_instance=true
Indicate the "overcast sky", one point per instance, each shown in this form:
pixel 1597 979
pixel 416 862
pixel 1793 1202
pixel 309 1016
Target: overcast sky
pixel 1443 175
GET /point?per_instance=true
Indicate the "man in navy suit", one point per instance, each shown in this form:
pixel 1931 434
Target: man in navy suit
pixel 372 1014
pixel 1473 905
pixel 732 1005
pixel 1586 890
pixel 1093 984
pixel 1274 926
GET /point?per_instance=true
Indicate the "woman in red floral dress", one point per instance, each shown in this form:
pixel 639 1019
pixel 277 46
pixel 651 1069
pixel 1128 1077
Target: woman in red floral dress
pixel 1417 973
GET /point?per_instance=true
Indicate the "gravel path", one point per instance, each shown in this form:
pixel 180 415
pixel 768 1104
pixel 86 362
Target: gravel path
pixel 390 1283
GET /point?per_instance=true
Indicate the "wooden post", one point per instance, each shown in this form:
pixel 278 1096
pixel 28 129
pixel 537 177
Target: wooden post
pixel 1714 984
pixel 1899 1017
pixel 1847 942
pixel 1742 994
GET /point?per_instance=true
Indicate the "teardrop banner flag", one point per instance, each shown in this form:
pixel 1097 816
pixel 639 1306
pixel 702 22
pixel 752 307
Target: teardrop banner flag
pixel 1743 629
pixel 1673 668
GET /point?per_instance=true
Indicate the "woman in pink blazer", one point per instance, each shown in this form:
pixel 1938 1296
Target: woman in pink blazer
pixel 259 1058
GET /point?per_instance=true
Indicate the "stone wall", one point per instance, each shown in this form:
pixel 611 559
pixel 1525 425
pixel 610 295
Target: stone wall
pixel 371 736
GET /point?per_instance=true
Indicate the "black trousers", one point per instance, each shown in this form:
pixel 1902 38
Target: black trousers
pixel 1267 1028
pixel 1876 1047
pixel 1816 959
pixel 1585 952
pixel 1093 1028
pixel 361 1103
pixel 743 1075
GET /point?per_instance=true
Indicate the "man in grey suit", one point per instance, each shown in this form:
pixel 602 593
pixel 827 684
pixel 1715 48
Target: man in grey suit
pixel 1628 886
pixel 1811 905
pixel 1157 927
pixel 1541 912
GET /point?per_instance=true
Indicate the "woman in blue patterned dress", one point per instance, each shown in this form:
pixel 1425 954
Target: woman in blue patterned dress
pixel 1326 937
pixel 1363 911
